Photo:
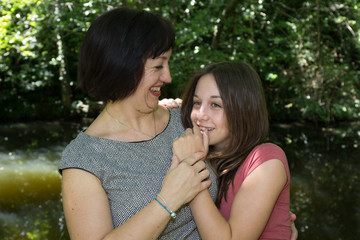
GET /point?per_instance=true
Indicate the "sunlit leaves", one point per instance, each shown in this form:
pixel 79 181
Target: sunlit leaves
pixel 299 49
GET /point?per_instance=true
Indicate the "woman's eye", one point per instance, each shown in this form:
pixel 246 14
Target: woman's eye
pixel 159 67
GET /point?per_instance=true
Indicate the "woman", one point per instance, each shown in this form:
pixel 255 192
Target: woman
pixel 225 103
pixel 117 178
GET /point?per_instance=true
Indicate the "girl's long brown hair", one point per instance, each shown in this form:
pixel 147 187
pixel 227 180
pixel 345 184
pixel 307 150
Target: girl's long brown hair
pixel 245 108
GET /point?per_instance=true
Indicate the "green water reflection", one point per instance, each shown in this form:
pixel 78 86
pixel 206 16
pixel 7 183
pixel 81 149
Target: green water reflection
pixel 323 163
pixel 325 180
pixel 30 200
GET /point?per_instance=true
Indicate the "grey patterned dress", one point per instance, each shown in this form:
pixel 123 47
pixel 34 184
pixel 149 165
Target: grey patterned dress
pixel 132 173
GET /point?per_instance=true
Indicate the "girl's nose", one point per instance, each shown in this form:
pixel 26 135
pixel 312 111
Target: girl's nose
pixel 203 113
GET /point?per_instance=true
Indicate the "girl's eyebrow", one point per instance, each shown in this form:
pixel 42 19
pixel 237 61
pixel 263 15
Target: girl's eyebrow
pixel 213 96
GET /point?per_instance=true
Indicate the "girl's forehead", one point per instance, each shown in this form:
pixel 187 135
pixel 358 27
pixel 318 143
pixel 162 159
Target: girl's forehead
pixel 207 83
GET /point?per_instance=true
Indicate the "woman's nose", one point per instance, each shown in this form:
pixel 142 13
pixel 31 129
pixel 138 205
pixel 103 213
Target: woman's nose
pixel 165 76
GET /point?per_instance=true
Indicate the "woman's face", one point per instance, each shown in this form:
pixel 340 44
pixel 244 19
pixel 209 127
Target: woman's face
pixel 156 73
pixel 208 112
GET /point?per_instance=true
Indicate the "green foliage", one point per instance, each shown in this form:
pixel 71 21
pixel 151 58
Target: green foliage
pixel 306 52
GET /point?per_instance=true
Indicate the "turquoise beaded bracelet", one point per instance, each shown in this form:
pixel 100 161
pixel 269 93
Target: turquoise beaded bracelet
pixel 172 214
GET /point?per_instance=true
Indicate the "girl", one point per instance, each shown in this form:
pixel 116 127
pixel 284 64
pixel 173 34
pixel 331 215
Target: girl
pixel 225 103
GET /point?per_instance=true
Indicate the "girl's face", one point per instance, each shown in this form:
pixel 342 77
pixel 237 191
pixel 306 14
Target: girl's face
pixel 156 73
pixel 208 112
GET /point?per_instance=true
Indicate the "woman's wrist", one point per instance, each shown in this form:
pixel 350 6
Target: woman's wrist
pixel 172 202
pixel 161 200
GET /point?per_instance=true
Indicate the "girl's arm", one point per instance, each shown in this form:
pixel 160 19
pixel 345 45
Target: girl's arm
pixel 87 210
pixel 252 205
pixel 250 210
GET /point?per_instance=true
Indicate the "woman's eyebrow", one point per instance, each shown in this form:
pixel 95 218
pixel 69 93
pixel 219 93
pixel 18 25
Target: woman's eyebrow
pixel 161 57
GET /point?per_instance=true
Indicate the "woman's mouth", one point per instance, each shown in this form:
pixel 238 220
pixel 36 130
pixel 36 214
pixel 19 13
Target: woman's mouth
pixel 155 91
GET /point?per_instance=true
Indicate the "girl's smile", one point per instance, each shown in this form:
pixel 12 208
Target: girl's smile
pixel 208 112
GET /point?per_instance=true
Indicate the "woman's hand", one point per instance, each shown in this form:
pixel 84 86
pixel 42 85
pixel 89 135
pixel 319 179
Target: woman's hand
pixel 294 231
pixel 187 175
pixel 185 180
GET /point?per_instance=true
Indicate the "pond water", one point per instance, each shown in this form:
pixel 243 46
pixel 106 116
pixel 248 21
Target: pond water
pixel 323 162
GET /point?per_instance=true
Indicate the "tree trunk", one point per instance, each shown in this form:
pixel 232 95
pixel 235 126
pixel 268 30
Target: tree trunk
pixel 226 13
pixel 64 82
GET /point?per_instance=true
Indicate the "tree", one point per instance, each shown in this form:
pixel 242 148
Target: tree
pixel 306 52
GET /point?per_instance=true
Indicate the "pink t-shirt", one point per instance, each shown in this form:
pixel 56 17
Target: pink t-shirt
pixel 279 224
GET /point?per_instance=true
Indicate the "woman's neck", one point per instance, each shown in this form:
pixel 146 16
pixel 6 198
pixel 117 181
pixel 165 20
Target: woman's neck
pixel 138 120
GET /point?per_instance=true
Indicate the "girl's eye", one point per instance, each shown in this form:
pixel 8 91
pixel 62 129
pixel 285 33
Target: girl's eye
pixel 196 103
pixel 215 105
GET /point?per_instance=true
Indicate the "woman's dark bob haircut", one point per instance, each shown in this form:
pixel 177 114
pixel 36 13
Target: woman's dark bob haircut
pixel 115 49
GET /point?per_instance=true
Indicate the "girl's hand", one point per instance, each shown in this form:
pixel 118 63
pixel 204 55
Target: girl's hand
pixel 170 102
pixel 190 142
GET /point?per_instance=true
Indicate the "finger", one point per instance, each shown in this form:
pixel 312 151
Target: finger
pixel 199 166
pixel 294 232
pixel 196 130
pixel 194 158
pixel 179 101
pixel 174 162
pixel 171 103
pixel 206 140
pixel 204 174
pixel 292 216
pixel 206 184
pixel 163 102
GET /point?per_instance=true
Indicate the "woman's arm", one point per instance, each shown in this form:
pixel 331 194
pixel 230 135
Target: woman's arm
pixel 251 207
pixel 87 210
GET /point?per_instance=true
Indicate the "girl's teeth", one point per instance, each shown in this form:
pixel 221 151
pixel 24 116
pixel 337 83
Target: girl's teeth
pixel 203 129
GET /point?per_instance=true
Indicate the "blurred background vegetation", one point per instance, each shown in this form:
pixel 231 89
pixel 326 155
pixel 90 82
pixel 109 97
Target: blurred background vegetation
pixel 306 52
